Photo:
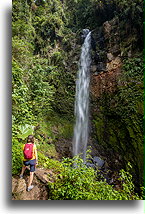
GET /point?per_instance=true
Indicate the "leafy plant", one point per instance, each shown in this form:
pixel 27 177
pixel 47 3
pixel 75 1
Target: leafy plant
pixel 17 156
pixel 24 131
pixel 79 182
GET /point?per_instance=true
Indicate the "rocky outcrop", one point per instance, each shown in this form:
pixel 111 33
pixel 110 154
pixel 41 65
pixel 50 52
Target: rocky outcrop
pixel 64 147
pixel 105 71
pixel 113 134
pixel 18 189
pixel 40 190
pixel 106 81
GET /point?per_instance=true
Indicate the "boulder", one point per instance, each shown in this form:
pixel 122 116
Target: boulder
pixel 18 189
pixel 44 175
pixel 107 27
pixel 40 182
pixel 91 165
pixel 110 57
pixel 114 64
pixel 98 161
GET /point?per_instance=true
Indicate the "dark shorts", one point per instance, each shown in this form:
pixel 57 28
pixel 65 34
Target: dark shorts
pixel 31 163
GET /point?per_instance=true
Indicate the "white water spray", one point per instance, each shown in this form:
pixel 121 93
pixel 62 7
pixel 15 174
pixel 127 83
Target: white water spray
pixel 82 99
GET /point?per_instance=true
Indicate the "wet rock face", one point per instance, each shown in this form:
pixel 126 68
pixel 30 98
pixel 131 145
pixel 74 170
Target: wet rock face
pixel 85 33
pixel 112 38
pixel 105 73
pixel 107 54
pixel 106 81
pixel 113 135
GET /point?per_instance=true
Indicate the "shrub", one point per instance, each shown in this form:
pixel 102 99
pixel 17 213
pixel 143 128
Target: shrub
pixel 48 163
pixel 55 165
pixel 41 159
pixel 78 182
pixel 17 157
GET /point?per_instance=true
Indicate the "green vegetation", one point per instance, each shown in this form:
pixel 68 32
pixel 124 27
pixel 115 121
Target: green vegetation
pixel 17 156
pixel 79 182
pixel 121 116
pixel 42 86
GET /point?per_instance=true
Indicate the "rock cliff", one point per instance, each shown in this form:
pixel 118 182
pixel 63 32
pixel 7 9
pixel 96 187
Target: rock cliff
pixel 117 132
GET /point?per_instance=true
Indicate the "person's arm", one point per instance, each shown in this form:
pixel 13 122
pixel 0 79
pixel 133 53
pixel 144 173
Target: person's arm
pixel 23 148
pixel 23 152
pixel 36 155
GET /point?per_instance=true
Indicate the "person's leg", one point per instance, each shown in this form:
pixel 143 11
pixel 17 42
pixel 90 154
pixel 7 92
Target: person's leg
pixel 23 170
pixel 32 170
pixel 30 179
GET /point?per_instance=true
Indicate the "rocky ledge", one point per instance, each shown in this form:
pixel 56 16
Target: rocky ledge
pixel 40 190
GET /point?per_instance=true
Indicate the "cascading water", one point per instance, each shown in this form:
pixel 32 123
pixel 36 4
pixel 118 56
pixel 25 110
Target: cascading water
pixel 82 99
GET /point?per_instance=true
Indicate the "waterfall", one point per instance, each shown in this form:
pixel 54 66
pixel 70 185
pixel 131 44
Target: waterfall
pixel 80 138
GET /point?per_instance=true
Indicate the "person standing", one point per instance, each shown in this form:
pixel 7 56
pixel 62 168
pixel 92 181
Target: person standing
pixel 30 159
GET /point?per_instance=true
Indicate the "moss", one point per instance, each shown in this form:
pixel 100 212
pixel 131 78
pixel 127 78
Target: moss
pixel 119 129
pixel 131 132
pixel 99 127
pixel 140 108
pixel 113 141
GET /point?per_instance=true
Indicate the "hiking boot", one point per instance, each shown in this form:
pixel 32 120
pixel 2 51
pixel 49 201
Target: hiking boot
pixel 30 188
